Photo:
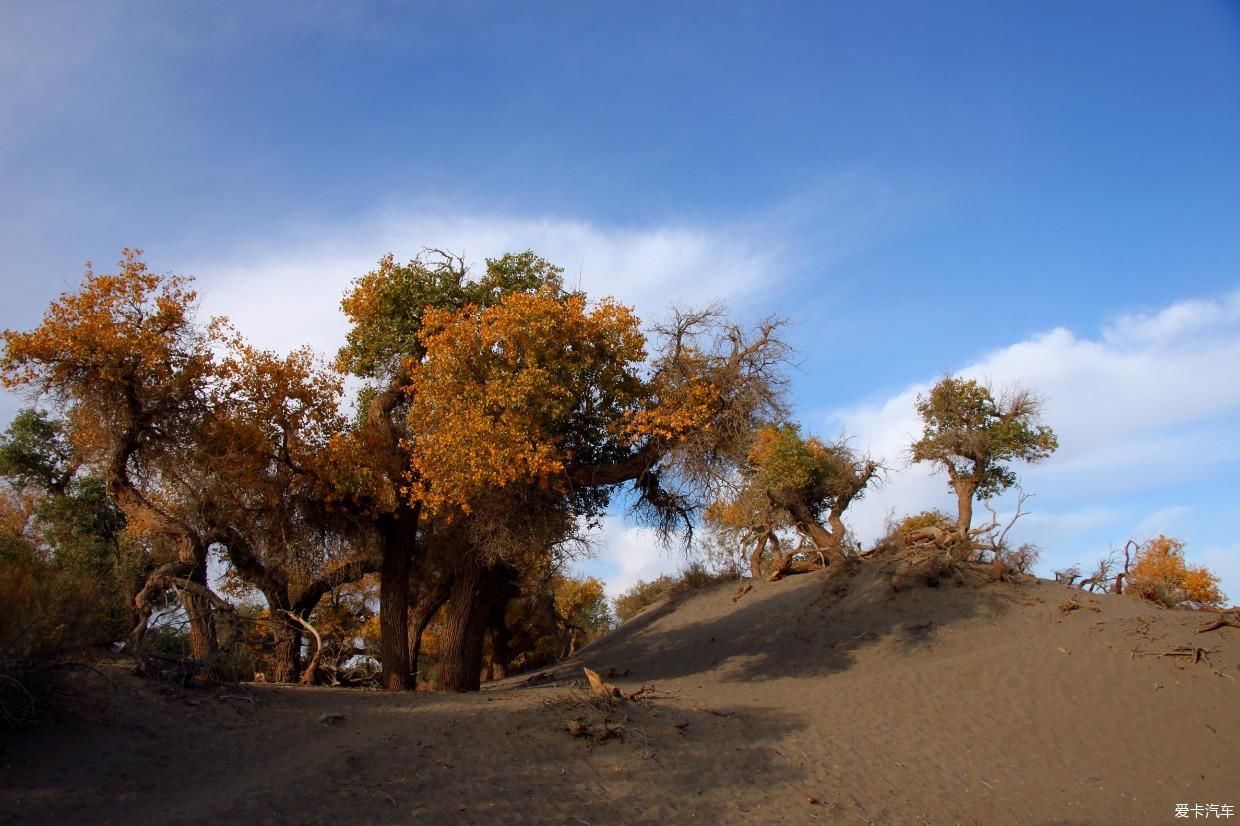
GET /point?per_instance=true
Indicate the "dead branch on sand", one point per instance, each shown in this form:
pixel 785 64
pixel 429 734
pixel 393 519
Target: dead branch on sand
pixel 1228 619
pixel 609 691
pixel 715 712
pixel 1195 652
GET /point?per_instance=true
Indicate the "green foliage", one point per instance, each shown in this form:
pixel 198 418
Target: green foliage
pixel 579 613
pixel 387 306
pixel 82 526
pixel 971 434
pixel 583 603
pixel 791 482
pixel 789 467
pixel 34 451
pixel 76 528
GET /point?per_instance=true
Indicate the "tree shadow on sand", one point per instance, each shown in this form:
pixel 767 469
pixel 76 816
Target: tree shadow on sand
pixel 803 627
pixel 438 758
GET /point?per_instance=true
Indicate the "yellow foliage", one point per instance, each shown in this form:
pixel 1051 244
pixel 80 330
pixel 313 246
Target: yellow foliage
pixel 1160 574
pixel 121 341
pixel 678 410
pixel 925 519
pixel 507 393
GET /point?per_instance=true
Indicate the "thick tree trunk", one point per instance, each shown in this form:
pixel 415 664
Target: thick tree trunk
pixel 755 561
pixel 397 537
pixel 460 643
pixel 286 656
pixel 286 651
pixel 203 644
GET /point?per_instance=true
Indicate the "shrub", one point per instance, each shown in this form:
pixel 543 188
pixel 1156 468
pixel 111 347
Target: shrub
pixel 48 622
pixel 896 533
pixel 1161 575
pixel 696 575
pixel 1020 559
pixel 642 594
pixel 692 577
pixel 925 519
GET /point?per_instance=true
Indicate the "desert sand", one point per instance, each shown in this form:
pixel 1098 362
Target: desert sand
pixel 811 700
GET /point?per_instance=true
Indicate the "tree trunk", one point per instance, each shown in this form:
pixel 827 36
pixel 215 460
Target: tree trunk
pixel 783 564
pixel 964 502
pixel 286 650
pixel 460 645
pixel 203 644
pixel 755 561
pixel 420 617
pixel 397 537
pixel 286 656
pixel 823 540
pixel 836 520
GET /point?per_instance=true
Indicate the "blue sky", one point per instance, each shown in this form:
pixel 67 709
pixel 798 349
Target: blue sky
pixel 1045 192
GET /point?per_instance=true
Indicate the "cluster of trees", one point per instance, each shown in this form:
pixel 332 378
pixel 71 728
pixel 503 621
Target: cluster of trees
pixel 789 505
pixel 498 416
pixel 427 528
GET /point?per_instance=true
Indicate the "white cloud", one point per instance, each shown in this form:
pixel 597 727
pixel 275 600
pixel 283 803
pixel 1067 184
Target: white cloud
pixel 1223 561
pixel 627 555
pixel 291 297
pixel 1185 320
pixel 1061 526
pixel 1151 403
pixel 1166 521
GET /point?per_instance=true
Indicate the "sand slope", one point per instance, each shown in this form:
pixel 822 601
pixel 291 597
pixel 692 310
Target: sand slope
pixel 808 700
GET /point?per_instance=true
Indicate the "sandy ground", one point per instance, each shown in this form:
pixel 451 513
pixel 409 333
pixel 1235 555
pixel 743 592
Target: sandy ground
pixel 805 701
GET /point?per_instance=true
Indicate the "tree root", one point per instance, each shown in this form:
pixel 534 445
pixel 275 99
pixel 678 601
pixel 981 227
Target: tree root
pixel 1227 619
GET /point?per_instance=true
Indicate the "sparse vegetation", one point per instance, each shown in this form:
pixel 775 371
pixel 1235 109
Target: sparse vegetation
pixel 1156 570
pixel 693 577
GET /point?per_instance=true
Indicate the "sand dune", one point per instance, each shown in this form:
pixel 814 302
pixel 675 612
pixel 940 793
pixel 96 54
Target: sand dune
pixel 807 700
